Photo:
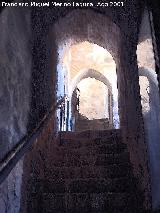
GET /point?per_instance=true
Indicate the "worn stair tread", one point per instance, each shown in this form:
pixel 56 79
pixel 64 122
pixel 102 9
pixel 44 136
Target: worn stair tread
pixel 88 141
pixel 88 185
pixel 105 159
pixel 111 171
pixel 99 149
pixel 90 159
pixel 87 172
pixel 93 201
pixel 90 134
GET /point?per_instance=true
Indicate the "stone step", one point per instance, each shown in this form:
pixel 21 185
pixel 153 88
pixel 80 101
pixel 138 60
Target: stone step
pixel 89 185
pixel 92 148
pixel 111 171
pixel 109 159
pixel 77 159
pixel 80 143
pixel 90 134
pixel 87 172
pixel 89 203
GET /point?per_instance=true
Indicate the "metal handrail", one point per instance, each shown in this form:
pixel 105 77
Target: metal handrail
pixel 9 161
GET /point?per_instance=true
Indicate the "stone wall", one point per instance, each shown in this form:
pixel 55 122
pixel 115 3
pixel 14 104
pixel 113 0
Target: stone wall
pixel 15 72
pixel 27 87
pixel 15 68
pixel 10 190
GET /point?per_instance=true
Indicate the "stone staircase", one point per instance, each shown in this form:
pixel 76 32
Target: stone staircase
pixel 82 123
pixel 88 172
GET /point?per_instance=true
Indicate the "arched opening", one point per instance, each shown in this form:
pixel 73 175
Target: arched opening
pixel 69 37
pixel 88 60
pixel 90 89
pixel 94 109
pixel 150 101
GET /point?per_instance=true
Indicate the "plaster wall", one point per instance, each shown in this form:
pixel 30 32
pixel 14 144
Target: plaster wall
pixel 15 72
